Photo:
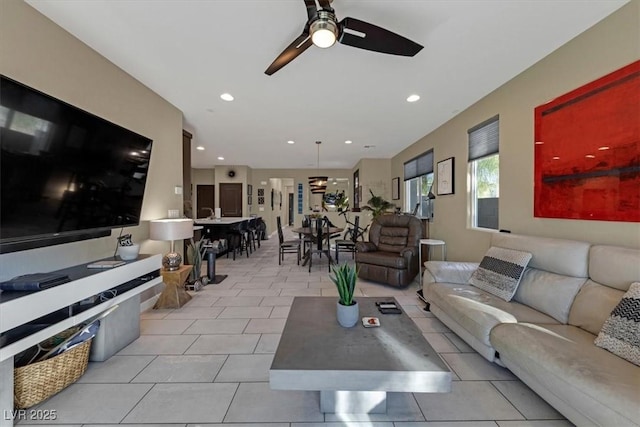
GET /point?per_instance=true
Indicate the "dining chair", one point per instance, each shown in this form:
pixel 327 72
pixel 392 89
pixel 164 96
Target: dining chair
pixel 286 246
pixel 348 245
pixel 319 233
pixel 253 233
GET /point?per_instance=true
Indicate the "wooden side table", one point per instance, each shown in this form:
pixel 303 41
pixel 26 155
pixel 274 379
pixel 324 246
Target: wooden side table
pixel 174 295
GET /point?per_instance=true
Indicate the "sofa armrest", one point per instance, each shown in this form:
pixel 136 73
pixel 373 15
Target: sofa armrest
pixel 449 272
pixel 409 252
pixel 366 247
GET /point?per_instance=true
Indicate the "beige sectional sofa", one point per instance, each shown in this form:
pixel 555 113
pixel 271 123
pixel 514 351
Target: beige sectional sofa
pixel 545 334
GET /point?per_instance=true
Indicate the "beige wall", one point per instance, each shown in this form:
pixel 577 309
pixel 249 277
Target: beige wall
pixel 38 53
pixel 609 45
pixel 281 179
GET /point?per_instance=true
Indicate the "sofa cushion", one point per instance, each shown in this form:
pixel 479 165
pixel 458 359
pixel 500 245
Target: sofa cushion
pixel 593 305
pixel 620 333
pixel 393 239
pixel 551 293
pixel 561 363
pixel 478 311
pixel 500 272
pixel 614 266
pixel 560 256
pixel 385 259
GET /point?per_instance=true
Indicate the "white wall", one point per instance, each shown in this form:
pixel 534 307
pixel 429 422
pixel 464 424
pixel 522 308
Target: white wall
pixel 40 54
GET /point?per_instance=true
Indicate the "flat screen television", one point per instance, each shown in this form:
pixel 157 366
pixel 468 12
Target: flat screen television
pixel 65 174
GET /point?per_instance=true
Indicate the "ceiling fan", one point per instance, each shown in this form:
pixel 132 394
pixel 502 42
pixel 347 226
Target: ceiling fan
pixel 323 30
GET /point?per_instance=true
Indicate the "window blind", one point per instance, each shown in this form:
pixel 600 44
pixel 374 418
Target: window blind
pixel 418 166
pixel 484 139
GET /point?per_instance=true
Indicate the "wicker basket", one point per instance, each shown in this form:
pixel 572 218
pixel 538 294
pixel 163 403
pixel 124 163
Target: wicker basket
pixel 39 381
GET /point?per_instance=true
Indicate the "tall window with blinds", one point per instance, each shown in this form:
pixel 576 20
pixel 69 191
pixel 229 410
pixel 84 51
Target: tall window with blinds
pixel 418 185
pixel 484 170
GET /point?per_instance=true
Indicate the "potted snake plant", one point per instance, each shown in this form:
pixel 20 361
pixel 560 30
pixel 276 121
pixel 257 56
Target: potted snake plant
pixel 344 277
pixel 194 257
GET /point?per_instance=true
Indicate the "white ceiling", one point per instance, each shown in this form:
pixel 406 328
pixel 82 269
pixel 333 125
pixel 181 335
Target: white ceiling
pixel 191 51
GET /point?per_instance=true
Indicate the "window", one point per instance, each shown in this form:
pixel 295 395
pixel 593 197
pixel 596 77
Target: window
pixel 418 185
pixel 484 169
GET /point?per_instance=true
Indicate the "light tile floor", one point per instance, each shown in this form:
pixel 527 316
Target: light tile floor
pixel 207 364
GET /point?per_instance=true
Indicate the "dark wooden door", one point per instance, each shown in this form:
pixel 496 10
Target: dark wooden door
pixel 231 199
pixel 205 195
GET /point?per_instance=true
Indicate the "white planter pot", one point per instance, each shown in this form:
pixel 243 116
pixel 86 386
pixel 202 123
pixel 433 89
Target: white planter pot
pixel 348 315
pixel 128 253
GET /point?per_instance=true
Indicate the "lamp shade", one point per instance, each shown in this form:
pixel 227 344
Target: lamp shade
pixel 318 184
pixel 171 229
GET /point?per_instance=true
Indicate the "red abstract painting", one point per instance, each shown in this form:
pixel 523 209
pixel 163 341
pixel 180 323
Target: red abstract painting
pixel 587 151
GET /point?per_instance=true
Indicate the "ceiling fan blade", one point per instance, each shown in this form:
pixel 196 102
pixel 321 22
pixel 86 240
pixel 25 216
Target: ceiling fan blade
pixel 363 35
pixel 312 9
pixel 292 51
pixel 325 4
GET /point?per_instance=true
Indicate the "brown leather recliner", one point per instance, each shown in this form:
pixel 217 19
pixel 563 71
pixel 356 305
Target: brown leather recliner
pixel 391 254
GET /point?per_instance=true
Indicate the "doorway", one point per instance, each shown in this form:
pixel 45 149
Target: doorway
pixel 290 209
pixel 231 199
pixel 205 196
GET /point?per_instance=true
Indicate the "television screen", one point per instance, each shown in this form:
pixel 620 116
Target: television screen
pixel 64 171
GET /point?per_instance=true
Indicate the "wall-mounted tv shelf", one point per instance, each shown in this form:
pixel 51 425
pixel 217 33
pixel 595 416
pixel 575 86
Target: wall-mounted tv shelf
pixel 21 311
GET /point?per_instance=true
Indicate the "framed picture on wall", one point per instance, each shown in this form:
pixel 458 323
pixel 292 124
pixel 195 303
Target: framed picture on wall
pixel 445 177
pixel 249 201
pixel 395 188
pixel 249 189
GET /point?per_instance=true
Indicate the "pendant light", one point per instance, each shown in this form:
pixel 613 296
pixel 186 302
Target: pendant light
pixel 318 184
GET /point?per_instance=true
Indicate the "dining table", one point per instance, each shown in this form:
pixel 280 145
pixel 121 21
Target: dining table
pixel 313 234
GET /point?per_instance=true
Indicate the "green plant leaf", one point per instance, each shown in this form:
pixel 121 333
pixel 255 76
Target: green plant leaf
pixel 344 277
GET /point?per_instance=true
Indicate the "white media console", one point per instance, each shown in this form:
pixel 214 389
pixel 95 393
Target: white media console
pixel 61 307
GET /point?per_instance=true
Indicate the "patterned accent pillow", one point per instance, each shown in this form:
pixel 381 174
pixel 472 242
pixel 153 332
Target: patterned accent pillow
pixel 620 333
pixel 500 272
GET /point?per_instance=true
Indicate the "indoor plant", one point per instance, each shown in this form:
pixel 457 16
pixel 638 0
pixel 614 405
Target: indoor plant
pixel 344 276
pixel 194 257
pixel 377 205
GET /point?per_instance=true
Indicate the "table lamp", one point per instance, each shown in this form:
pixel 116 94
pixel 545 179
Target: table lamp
pixel 171 229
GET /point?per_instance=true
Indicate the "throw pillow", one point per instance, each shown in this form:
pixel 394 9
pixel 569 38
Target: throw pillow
pixel 620 333
pixel 500 272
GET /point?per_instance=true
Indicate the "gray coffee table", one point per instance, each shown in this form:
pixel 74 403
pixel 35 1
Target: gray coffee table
pixel 354 368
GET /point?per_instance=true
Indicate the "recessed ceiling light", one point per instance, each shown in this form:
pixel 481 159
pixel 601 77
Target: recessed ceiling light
pixel 200 147
pixel 413 98
pixel 226 97
pixel 539 142
pixel 291 142
pixel 604 148
pixel 220 158
pixel 348 141
pixel 590 156
pixel 556 158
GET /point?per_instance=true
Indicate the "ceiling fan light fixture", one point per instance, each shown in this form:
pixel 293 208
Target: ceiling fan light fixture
pixel 324 33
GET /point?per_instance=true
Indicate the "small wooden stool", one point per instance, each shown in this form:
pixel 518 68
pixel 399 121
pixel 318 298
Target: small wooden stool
pixel 174 295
